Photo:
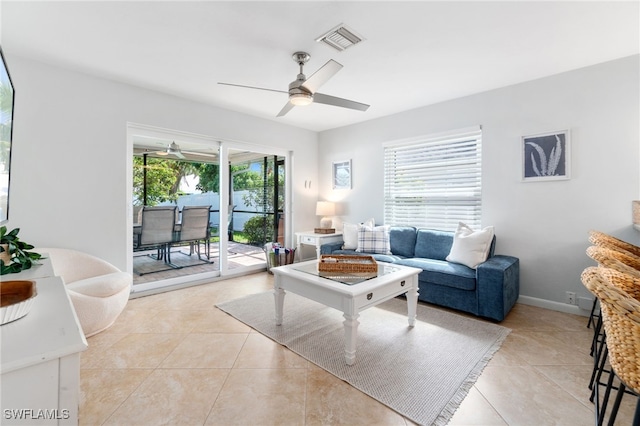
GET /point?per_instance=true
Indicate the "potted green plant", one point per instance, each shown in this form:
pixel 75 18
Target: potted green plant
pixel 14 254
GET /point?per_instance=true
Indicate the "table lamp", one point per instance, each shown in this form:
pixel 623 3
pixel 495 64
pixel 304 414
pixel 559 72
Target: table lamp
pixel 325 209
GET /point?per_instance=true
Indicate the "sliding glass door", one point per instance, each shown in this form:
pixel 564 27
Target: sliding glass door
pixel 256 203
pixel 245 190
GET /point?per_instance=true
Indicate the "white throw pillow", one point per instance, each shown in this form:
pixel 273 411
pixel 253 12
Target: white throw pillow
pixel 470 247
pixel 350 233
pixel 374 240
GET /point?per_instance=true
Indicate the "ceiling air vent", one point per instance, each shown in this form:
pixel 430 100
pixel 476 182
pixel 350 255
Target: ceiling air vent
pixel 340 38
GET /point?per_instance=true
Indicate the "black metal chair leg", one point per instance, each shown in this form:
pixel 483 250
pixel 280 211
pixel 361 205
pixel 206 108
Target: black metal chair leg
pixel 616 404
pixel 599 359
pixel 597 331
pixel 593 309
pixel 596 383
pixel 605 399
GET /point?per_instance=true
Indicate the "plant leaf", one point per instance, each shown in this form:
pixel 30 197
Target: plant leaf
pixel 534 165
pixel 543 158
pixel 557 150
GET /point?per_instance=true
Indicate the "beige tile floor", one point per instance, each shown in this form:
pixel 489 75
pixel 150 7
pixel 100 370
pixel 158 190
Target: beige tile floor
pixel 174 358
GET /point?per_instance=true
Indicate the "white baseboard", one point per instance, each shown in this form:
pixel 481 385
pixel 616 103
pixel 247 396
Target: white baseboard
pixel 554 306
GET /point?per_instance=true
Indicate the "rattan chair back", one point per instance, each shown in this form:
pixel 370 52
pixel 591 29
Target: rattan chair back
pixel 604 240
pixel 619 260
pixel 621 318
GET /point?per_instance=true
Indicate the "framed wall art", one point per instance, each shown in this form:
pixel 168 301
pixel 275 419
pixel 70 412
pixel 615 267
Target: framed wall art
pixel 341 174
pixel 546 156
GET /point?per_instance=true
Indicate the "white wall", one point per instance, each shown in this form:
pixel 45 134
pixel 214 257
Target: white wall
pixel 545 224
pixel 69 158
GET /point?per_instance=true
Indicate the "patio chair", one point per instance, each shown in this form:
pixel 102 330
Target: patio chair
pixel 157 231
pixel 230 210
pixel 195 227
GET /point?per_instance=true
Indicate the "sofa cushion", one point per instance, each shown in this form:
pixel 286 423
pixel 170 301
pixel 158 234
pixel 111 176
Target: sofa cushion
pixel 470 247
pixel 443 273
pixel 350 233
pixel 388 258
pixel 433 244
pixel 374 240
pixel 402 240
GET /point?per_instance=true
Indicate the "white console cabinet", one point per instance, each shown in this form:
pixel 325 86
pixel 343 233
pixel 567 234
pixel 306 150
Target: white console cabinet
pixel 40 356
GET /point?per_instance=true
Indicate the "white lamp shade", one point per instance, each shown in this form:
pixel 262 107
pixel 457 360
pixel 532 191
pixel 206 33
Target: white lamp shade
pixel 325 208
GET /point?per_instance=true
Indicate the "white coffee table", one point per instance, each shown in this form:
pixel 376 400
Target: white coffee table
pixel 303 279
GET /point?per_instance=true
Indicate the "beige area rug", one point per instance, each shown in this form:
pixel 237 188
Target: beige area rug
pixel 423 373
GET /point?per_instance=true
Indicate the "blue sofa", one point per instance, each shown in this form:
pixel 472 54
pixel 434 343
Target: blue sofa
pixel 489 291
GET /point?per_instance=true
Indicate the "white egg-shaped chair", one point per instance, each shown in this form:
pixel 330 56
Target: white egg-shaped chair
pixel 98 290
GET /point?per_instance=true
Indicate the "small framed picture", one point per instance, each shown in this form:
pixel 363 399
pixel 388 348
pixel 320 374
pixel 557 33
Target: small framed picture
pixel 341 174
pixel 546 156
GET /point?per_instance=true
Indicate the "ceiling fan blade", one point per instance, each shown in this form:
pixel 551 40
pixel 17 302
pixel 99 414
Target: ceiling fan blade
pixel 253 87
pixel 288 107
pixel 321 76
pixel 200 154
pixel 344 103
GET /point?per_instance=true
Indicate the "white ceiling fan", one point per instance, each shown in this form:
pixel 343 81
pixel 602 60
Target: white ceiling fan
pixel 302 91
pixel 173 149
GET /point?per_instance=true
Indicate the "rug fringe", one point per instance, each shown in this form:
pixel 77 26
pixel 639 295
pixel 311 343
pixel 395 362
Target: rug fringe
pixel 454 403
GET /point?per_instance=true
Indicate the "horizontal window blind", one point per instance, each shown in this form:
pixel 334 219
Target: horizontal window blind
pixel 434 182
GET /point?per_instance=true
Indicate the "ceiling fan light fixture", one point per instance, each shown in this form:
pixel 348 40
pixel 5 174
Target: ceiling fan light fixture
pixel 173 148
pixel 301 99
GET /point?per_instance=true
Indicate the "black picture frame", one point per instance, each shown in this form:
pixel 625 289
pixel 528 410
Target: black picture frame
pixel 8 95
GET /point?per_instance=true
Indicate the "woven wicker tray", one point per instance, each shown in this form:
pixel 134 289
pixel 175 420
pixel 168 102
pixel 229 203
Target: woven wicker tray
pixel 347 263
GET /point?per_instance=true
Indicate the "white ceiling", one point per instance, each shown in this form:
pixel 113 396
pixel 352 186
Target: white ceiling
pixel 415 53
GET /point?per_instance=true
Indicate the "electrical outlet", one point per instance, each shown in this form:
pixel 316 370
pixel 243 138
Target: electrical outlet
pixel 570 298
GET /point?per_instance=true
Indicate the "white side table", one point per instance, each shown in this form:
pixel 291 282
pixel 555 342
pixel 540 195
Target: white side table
pixel 317 240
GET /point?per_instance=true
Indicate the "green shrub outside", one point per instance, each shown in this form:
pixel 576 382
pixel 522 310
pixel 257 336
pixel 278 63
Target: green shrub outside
pixel 258 230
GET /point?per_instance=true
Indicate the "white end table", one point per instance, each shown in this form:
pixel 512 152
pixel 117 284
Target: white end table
pixel 317 240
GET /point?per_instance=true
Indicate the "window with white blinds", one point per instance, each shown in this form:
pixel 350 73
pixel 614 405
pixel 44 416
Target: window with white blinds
pixel 434 182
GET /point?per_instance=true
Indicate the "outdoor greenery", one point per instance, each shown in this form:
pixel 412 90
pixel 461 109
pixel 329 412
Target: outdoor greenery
pixel 259 230
pixel 238 237
pixel 164 175
pixel 163 179
pixel 6 108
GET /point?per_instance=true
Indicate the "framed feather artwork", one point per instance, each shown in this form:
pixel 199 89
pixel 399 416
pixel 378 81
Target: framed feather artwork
pixel 546 156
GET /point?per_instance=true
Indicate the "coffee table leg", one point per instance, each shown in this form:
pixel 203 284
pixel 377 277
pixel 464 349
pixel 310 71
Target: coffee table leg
pixel 278 295
pixel 412 303
pixel 350 333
